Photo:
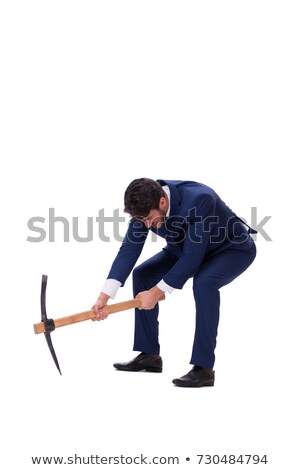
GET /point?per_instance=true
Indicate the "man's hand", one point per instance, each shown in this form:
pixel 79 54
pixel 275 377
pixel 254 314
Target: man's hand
pixel 149 298
pixel 100 303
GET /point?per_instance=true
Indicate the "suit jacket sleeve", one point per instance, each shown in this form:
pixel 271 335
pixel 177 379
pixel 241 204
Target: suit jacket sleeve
pixel 129 252
pixel 196 240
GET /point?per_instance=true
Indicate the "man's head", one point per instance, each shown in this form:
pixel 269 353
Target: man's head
pixel 145 200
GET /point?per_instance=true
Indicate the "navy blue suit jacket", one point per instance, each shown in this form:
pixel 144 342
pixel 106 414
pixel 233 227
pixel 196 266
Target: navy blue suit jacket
pixel 199 226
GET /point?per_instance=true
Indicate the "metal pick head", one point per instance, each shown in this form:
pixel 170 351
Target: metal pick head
pixel 49 324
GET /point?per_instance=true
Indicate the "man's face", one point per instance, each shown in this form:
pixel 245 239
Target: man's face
pixel 156 217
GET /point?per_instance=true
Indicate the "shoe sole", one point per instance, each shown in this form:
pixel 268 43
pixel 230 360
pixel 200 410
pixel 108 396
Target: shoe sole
pixel 145 369
pixel 183 384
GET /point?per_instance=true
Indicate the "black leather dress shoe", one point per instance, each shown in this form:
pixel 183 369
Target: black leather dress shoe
pixel 197 377
pixel 147 362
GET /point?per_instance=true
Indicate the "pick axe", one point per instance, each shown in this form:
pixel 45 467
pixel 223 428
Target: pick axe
pixel 47 325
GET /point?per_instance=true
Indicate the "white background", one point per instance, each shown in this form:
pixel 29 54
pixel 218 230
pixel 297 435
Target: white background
pixel 93 95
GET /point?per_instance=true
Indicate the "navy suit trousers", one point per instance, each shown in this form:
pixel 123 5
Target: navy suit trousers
pixel 215 272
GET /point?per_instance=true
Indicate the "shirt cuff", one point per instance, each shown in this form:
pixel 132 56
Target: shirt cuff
pixel 165 287
pixel 111 287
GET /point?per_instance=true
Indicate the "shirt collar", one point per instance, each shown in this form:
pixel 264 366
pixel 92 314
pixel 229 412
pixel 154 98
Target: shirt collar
pixel 167 191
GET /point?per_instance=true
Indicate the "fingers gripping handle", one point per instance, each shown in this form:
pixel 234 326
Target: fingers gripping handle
pixel 90 314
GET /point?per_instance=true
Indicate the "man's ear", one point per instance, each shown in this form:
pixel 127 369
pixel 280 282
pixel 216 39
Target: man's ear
pixel 163 203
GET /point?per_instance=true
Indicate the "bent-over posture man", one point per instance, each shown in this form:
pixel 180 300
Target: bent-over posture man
pixel 205 241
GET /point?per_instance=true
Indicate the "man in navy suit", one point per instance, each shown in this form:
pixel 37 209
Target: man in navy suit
pixel 205 241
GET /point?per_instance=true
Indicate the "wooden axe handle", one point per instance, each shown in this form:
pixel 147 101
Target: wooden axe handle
pixel 89 314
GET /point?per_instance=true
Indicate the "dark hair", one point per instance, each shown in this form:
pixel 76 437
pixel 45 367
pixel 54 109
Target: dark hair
pixel 141 196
